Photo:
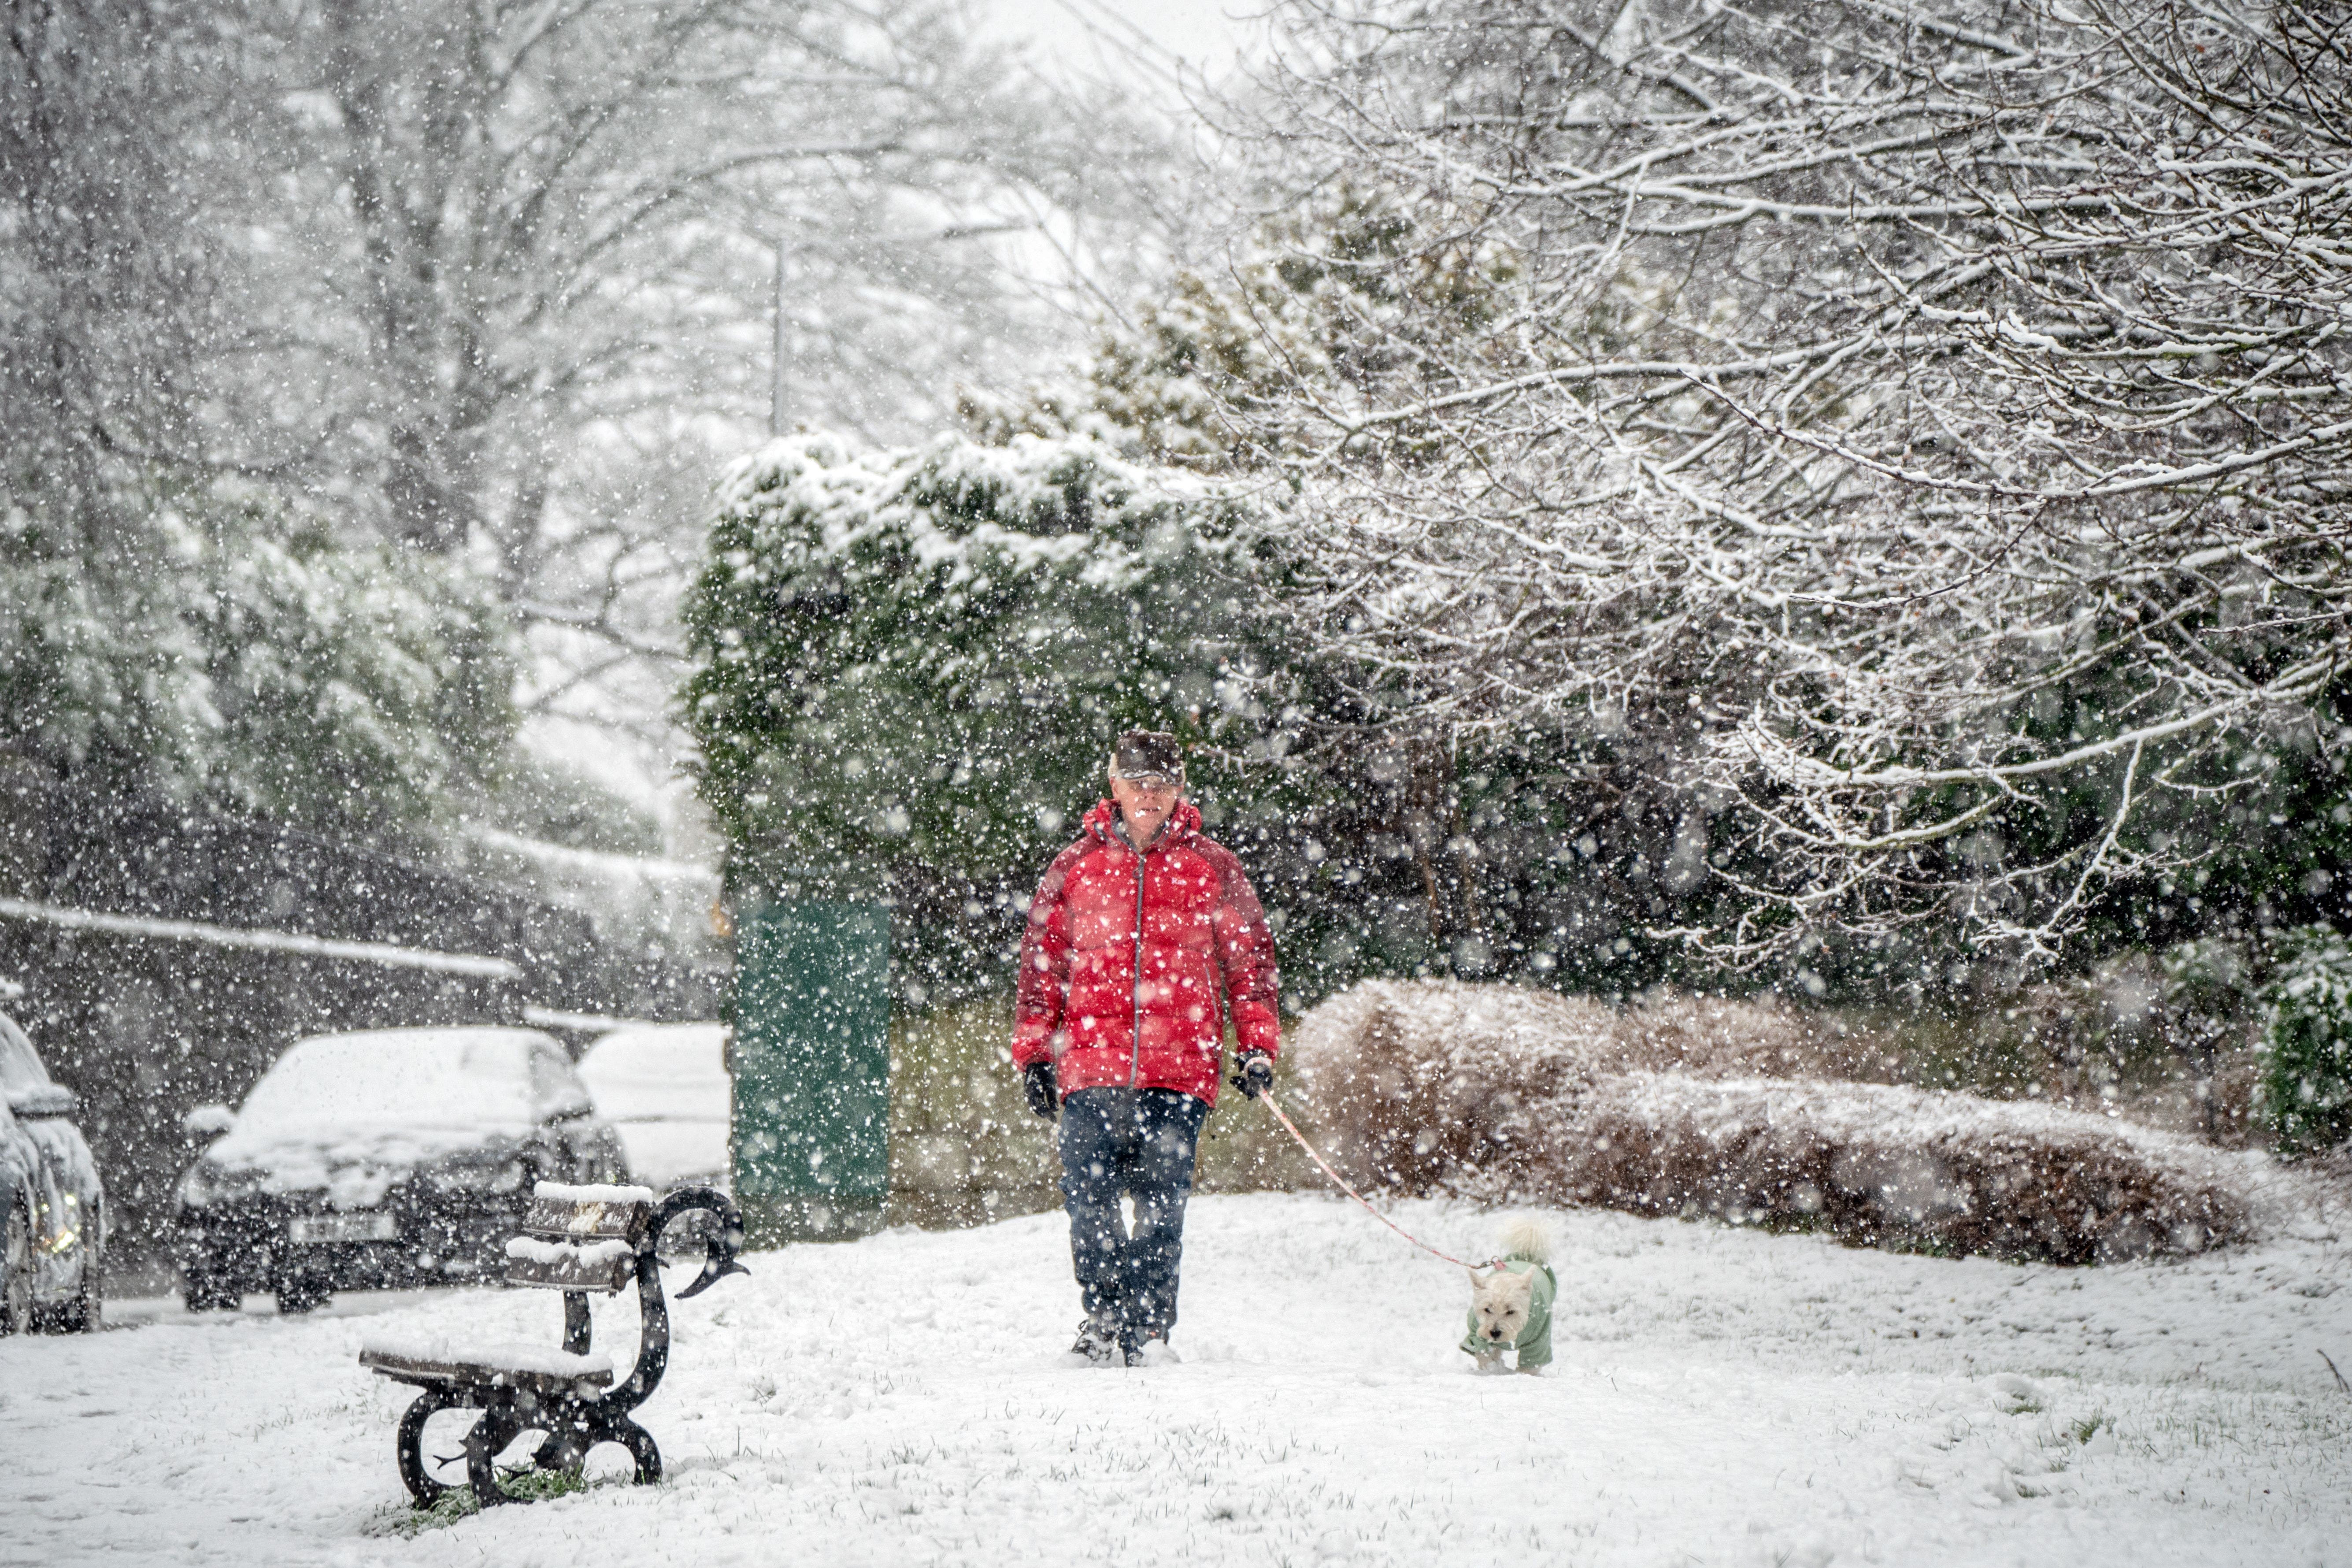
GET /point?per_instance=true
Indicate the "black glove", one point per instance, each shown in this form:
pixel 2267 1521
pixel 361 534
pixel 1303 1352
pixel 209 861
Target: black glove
pixel 1256 1074
pixel 1037 1083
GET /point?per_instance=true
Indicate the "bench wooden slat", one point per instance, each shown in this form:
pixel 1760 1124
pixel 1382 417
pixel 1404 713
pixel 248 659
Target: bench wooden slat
pixel 487 1367
pixel 607 1265
pixel 560 1218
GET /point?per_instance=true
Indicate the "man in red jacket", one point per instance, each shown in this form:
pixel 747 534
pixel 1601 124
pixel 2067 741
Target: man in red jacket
pixel 1144 936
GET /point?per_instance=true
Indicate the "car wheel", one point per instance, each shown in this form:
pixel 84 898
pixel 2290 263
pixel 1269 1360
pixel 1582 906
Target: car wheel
pixel 301 1293
pixel 207 1282
pixel 16 1274
pixel 87 1312
pixel 204 1292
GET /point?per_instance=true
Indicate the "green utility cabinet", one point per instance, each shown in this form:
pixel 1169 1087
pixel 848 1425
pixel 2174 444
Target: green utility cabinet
pixel 812 1069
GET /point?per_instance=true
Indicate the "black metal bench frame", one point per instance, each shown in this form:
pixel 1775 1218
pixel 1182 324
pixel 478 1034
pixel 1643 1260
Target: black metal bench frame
pixel 576 1411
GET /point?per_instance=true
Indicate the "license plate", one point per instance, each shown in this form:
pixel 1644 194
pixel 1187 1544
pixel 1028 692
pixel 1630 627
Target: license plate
pixel 342 1227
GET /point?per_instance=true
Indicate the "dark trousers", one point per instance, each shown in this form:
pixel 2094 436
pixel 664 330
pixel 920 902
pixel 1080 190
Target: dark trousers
pixel 1136 1143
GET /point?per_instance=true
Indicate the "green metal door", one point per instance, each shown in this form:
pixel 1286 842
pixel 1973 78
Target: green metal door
pixel 811 1122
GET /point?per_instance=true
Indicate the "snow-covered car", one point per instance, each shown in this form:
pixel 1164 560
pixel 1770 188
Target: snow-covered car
pixel 382 1157
pixel 50 1198
pixel 664 1088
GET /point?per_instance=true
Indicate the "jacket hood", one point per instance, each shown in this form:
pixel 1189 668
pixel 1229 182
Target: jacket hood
pixel 1182 823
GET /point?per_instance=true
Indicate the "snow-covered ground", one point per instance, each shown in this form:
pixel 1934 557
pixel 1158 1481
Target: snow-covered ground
pixel 1720 1396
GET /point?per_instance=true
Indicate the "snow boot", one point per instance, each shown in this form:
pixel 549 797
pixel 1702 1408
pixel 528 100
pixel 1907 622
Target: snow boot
pixel 1147 1350
pixel 1097 1343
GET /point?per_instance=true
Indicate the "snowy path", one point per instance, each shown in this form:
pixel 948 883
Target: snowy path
pixel 1720 1398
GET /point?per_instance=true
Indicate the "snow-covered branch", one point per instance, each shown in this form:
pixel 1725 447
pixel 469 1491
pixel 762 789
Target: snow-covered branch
pixel 1950 413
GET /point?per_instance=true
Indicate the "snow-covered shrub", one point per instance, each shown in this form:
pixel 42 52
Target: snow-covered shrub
pixel 1878 1164
pixel 2306 1090
pixel 1411 1083
pixel 907 661
pixel 257 662
pixel 1706 1106
pixel 1722 1036
pixel 1302 296
pixel 1415 1080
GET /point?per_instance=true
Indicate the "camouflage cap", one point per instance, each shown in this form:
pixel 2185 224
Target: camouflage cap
pixel 1148 754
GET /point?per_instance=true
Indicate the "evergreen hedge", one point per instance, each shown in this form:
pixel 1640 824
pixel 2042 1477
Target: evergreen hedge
pixel 909 664
pixel 2307 1052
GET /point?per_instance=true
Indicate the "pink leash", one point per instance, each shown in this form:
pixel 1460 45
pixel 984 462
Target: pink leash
pixel 1267 1096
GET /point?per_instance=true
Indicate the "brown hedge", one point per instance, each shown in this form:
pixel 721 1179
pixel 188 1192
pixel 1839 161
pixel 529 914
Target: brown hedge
pixel 1702 1106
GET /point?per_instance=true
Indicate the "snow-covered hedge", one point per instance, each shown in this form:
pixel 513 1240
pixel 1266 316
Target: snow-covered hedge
pixel 1729 1108
pixel 910 663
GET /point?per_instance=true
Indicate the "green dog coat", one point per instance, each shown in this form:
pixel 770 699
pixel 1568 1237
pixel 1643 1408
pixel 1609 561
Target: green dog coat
pixel 1535 1340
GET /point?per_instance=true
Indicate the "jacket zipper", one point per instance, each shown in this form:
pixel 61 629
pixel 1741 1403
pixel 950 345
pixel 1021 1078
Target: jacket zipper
pixel 1135 997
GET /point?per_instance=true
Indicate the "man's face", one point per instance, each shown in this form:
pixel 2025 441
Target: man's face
pixel 1145 803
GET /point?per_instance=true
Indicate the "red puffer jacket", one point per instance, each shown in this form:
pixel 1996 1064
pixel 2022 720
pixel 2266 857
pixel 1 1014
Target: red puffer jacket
pixel 1086 981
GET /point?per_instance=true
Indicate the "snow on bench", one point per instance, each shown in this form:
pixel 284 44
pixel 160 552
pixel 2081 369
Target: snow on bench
pixel 510 1364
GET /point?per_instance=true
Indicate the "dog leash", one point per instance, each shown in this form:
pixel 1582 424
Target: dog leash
pixel 1266 1095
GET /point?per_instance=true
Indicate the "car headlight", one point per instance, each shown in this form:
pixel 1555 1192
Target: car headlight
pixel 504 1178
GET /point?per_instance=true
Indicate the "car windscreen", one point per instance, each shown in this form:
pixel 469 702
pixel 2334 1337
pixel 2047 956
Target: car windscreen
pixel 555 1089
pixel 407 1079
pixel 20 1069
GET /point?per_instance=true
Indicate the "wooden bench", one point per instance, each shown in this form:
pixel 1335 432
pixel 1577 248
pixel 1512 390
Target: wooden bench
pixel 575 1240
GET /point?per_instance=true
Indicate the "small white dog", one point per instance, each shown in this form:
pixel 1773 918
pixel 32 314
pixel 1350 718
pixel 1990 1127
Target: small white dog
pixel 1510 1303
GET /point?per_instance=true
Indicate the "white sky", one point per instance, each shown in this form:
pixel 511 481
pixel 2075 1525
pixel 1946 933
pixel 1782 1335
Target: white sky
pixel 1117 39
